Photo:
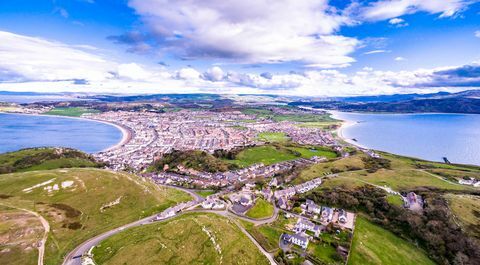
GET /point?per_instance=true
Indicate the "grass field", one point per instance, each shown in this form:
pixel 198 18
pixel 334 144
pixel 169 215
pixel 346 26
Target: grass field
pixel 202 239
pixel 394 200
pixel 267 235
pixel 205 193
pixel 70 112
pixel 273 137
pixel 43 159
pixel 271 154
pixel 321 124
pixel 19 233
pixel 261 154
pixel 466 209
pixel 81 203
pixel 375 245
pixel 261 209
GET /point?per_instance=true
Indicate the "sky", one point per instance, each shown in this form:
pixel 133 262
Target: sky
pixel 286 47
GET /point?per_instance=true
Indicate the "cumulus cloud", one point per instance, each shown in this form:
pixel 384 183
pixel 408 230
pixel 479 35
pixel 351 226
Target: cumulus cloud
pixel 250 31
pixel 387 9
pixel 477 33
pixel 30 58
pixel 398 22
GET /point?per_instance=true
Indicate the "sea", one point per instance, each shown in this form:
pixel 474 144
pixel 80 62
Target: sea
pixel 425 136
pixel 18 131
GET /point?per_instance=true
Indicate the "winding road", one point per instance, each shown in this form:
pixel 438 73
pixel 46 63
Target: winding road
pixel 75 256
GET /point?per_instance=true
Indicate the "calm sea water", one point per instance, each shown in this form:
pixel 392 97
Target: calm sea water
pixel 427 136
pixel 22 131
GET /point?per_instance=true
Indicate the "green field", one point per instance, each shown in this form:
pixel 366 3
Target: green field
pixel 375 245
pixel 70 112
pixel 205 193
pixel 84 202
pixel 321 124
pixel 394 200
pixel 466 209
pixel 267 235
pixel 261 154
pixel 44 159
pixel 273 137
pixel 271 154
pixel 198 238
pixel 261 209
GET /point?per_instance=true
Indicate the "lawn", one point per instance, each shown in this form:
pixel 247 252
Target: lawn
pixel 273 137
pixel 395 200
pixel 262 154
pixel 324 252
pixel 202 239
pixel 320 125
pixel 375 245
pixel 268 235
pixel 70 112
pixel 261 209
pixel 466 209
pixel 205 193
pixel 77 208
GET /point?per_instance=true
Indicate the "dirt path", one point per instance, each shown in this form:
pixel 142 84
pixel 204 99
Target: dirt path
pixel 46 227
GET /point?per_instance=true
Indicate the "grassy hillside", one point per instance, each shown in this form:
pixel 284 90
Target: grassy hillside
pixel 373 245
pixel 44 159
pixel 202 239
pixel 466 209
pixel 198 160
pixel 81 203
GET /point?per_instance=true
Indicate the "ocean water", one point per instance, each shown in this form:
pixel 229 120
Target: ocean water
pixel 426 136
pixel 21 131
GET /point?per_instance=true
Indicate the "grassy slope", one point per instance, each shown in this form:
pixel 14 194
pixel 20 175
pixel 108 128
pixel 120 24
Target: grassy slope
pixel 165 243
pixel 466 209
pixel 261 209
pixel 42 159
pixel 261 154
pixel 403 174
pixel 375 245
pixel 71 112
pixel 80 204
pixel 19 233
pixel 268 235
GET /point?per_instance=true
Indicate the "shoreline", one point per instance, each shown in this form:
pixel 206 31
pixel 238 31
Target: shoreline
pixel 345 124
pixel 127 134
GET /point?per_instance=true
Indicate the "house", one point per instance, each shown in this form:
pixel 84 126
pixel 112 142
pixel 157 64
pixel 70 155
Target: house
pixel 273 182
pixel 283 203
pixel 327 215
pixel 289 192
pixel 342 216
pixel 303 225
pixel 311 207
pixel 296 239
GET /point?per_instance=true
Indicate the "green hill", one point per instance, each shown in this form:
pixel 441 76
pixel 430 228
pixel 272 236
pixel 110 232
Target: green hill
pixel 202 239
pixel 79 204
pixel 44 159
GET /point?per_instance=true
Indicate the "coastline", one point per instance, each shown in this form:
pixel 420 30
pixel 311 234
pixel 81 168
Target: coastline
pixel 345 124
pixel 127 134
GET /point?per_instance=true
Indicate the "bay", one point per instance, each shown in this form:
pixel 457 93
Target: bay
pixel 19 131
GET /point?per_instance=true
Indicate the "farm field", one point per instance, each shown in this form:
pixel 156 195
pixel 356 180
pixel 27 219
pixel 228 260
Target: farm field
pixel 261 209
pixel 374 245
pixel 203 239
pixel 70 112
pixel 81 203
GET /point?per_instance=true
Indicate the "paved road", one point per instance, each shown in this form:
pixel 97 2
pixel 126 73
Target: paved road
pixel 46 228
pixel 74 257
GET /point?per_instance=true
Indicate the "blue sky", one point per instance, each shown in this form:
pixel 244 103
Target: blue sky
pixel 293 47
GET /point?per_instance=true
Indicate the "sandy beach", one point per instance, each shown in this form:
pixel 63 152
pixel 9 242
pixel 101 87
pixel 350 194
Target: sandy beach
pixel 345 124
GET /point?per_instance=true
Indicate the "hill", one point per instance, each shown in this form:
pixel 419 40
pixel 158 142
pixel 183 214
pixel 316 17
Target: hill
pixel 77 204
pixel 44 159
pixel 203 239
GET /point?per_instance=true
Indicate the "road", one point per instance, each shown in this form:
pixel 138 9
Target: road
pixel 46 228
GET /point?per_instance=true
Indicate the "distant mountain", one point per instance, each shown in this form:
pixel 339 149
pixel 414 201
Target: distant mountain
pixel 462 102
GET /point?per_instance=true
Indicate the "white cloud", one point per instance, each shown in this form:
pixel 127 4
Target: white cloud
pixel 249 31
pixel 133 71
pixel 375 52
pixel 400 58
pixel 31 58
pixel 387 9
pixel 398 22
pixel 477 33
pixel 214 74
